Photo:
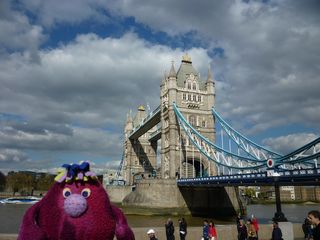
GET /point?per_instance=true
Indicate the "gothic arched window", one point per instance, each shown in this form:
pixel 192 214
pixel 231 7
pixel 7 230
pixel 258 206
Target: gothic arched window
pixel 194 98
pixel 194 86
pixel 189 85
pixel 193 120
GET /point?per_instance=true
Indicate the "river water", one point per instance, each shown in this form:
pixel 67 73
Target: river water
pixel 11 216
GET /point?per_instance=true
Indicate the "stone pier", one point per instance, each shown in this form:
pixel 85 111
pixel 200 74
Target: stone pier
pixel 161 194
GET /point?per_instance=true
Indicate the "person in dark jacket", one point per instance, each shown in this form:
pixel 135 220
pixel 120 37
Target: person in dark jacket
pixel 169 230
pixel 307 229
pixel 205 230
pixel 182 228
pixel 314 218
pixel 276 232
pixel 242 230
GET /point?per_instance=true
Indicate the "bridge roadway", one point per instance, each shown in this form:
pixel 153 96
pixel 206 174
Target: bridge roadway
pixel 146 124
pixel 306 177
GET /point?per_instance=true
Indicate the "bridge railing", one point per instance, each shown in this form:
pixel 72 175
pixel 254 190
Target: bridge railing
pixel 155 132
pixel 294 175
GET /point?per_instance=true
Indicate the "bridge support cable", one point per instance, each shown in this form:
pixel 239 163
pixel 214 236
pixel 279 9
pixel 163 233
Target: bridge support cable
pixel 194 133
pixel 308 154
pixel 304 157
pixel 221 157
pixel 200 164
pixel 193 170
pixel 180 169
pixel 218 157
pixel 251 148
pixel 118 173
pixel 186 163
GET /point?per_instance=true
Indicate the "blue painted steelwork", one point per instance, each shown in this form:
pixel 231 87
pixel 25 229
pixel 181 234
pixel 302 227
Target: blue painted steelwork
pixel 299 155
pixel 118 173
pixel 291 177
pixel 187 126
pixel 244 143
pixel 224 158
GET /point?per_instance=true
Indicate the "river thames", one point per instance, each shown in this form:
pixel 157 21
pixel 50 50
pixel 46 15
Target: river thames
pixel 11 216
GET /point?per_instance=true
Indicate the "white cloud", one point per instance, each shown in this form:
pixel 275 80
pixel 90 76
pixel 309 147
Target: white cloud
pixel 269 69
pixel 17 33
pixel 91 81
pixel 12 155
pixel 49 13
pixel 77 98
pixel 289 143
pixel 80 92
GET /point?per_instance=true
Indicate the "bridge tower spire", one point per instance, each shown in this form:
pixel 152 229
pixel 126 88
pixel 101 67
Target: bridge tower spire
pixel 210 86
pixel 168 125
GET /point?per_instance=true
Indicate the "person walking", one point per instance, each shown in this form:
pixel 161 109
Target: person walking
pixel 182 228
pixel 256 225
pixel 205 230
pixel 238 218
pixel 151 234
pixel 307 230
pixel 169 230
pixel 252 233
pixel 314 218
pixel 212 231
pixel 276 232
pixel 242 230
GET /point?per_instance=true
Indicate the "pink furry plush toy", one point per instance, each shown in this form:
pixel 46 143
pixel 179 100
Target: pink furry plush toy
pixel 76 207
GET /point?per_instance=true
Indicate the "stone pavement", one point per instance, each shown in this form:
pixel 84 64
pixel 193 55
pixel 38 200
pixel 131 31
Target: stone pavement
pixel 225 232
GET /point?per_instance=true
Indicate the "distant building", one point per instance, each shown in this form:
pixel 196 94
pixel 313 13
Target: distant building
pixel 292 193
pixel 109 176
pixel 307 193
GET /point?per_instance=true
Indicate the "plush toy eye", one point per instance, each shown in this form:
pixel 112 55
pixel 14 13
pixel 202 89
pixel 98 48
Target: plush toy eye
pixel 66 192
pixel 86 192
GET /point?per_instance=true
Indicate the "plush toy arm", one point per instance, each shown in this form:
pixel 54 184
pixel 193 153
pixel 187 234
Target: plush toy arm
pixel 123 231
pixel 30 229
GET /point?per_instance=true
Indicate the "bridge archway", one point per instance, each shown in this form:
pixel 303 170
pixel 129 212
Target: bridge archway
pixel 193 167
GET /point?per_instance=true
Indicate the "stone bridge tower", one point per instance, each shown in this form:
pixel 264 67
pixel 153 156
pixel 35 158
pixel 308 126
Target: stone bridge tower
pixel 195 98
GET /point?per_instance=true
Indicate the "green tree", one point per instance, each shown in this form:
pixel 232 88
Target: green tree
pixel 44 182
pixel 20 182
pixel 250 193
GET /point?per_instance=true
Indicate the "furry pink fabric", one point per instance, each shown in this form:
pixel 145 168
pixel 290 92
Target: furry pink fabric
pixel 75 211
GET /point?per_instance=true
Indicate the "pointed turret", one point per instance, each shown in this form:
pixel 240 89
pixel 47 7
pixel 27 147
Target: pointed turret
pixel 165 76
pixel 172 72
pixel 129 123
pixel 209 79
pixel 210 85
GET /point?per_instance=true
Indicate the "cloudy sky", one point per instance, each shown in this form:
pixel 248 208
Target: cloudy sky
pixel 71 70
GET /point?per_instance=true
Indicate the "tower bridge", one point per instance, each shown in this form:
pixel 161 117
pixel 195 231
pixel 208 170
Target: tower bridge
pixel 184 129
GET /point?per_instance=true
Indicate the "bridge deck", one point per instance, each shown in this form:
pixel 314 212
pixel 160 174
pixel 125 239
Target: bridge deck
pixel 149 122
pixel 286 178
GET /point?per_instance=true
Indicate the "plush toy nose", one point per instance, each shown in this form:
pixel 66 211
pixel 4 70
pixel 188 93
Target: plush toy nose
pixel 75 205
